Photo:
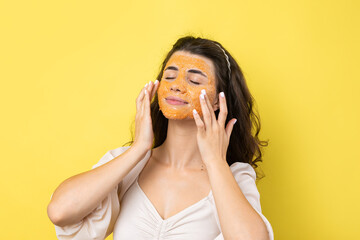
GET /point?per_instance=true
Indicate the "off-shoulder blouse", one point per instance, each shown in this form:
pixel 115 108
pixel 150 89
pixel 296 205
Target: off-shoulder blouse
pixel 137 218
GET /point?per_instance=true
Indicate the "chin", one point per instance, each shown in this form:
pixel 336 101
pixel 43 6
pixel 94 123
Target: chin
pixel 175 116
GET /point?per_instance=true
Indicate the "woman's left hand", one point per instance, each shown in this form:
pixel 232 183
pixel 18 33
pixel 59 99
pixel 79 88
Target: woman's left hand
pixel 212 138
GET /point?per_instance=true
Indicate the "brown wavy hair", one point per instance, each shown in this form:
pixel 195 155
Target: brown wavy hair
pixel 244 146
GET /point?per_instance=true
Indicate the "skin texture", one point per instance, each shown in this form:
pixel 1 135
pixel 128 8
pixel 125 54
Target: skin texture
pixel 180 83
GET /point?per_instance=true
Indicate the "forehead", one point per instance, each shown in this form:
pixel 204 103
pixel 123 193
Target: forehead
pixel 186 59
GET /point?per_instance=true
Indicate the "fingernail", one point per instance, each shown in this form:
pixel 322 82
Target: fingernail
pixel 146 85
pixel 222 94
pixel 194 111
pixel 145 91
pixel 235 121
pixel 203 91
pixel 202 96
pixel 156 81
pixel 150 82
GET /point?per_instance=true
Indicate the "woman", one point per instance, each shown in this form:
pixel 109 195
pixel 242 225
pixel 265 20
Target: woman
pixel 189 172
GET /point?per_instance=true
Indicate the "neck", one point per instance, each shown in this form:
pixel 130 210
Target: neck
pixel 180 150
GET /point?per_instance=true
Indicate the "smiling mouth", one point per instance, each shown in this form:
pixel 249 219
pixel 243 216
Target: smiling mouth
pixel 173 101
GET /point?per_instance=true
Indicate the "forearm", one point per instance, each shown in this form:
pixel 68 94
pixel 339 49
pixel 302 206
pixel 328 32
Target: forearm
pixel 77 196
pixel 238 219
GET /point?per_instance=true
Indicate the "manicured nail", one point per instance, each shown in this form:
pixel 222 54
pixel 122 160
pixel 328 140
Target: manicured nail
pixel 222 94
pixel 202 96
pixel 146 85
pixel 235 121
pixel 203 91
pixel 156 81
pixel 150 82
pixel 194 111
pixel 145 91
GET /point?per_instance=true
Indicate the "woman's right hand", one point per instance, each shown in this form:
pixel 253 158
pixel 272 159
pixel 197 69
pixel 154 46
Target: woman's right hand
pixel 144 134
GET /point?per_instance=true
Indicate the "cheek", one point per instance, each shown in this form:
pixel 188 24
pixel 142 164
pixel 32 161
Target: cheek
pixel 162 90
pixel 211 92
pixel 195 96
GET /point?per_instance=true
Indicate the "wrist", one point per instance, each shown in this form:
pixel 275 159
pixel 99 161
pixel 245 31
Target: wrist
pixel 140 148
pixel 216 164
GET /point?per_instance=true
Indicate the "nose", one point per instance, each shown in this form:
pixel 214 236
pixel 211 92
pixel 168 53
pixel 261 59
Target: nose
pixel 175 88
pixel 178 85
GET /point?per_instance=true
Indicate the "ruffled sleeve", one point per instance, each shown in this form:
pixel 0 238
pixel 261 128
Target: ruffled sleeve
pixel 245 176
pixel 100 222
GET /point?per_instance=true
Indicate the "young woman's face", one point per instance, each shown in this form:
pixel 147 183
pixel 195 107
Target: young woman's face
pixel 184 76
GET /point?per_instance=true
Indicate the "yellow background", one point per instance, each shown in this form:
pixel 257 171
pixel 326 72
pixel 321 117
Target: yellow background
pixel 70 72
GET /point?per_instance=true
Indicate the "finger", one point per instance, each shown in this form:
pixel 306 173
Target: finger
pixel 147 104
pixel 155 88
pixel 151 89
pixel 230 127
pixel 140 98
pixel 147 88
pixel 150 84
pixel 223 110
pixel 199 123
pixel 205 111
pixel 211 110
pixel 142 113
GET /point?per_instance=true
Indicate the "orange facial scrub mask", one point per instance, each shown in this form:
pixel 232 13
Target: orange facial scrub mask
pixel 184 76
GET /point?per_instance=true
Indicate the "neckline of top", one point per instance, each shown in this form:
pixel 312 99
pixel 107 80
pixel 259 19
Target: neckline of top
pixel 178 213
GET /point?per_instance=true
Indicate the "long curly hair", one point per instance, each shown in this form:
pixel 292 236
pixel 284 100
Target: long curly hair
pixel 244 145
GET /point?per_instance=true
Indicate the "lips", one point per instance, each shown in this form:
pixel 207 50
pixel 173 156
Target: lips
pixel 176 99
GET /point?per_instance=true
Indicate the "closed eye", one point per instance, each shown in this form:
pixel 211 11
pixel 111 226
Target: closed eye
pixel 190 81
pixel 195 82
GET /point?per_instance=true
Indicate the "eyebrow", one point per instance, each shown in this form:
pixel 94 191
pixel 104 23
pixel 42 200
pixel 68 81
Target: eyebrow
pixel 191 70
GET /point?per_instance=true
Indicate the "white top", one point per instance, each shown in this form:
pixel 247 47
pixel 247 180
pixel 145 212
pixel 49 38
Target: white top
pixel 138 218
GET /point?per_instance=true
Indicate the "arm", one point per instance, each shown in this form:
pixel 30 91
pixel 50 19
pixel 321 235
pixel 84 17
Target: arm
pixel 77 196
pixel 238 219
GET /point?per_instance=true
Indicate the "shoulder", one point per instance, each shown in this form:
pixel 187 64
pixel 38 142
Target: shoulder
pixel 109 155
pixel 242 171
pixel 245 177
